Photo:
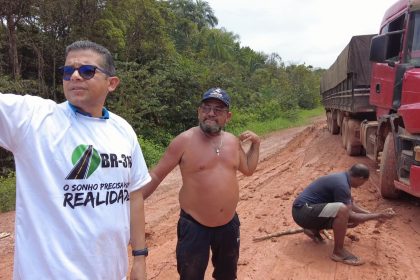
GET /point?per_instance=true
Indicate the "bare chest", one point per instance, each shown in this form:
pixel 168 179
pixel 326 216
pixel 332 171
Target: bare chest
pixel 208 156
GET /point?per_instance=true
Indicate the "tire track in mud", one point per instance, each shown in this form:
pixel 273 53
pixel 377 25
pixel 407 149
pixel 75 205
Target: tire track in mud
pixel 267 209
pixel 391 251
pixel 280 177
pixel 274 165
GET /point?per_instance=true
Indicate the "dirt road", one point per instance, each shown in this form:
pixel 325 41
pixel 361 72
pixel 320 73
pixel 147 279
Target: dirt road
pixel 290 159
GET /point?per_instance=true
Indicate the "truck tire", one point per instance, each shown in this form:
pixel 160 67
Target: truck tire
pixel 329 121
pixel 388 169
pixel 353 150
pixel 334 125
pixel 344 132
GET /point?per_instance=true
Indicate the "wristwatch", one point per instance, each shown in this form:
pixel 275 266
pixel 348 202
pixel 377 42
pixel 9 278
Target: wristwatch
pixel 141 252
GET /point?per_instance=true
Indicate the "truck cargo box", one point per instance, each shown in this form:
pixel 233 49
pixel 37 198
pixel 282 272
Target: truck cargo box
pixel 346 84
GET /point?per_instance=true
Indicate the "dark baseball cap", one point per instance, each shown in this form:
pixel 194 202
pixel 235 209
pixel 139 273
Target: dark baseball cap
pixel 217 93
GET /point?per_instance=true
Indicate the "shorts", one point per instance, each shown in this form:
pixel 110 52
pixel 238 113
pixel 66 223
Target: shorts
pixel 193 248
pixel 316 216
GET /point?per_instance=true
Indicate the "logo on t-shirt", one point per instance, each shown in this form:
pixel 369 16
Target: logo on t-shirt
pixel 85 160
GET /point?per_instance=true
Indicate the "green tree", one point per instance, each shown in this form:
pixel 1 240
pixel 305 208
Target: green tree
pixel 166 95
pixel 11 15
pixel 217 44
pixel 305 85
pixel 198 12
pixel 187 19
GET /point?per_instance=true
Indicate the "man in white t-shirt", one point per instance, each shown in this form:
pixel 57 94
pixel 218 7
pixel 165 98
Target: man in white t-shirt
pixel 79 169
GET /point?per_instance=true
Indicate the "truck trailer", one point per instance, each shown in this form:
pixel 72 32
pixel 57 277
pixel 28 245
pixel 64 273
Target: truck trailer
pixel 371 95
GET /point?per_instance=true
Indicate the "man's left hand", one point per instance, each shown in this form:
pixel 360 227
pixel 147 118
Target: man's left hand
pixel 138 271
pixel 249 136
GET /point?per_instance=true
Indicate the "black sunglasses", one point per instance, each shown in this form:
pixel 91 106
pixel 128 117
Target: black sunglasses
pixel 85 71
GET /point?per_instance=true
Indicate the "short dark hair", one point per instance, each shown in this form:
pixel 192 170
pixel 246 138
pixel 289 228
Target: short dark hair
pixel 101 50
pixel 359 170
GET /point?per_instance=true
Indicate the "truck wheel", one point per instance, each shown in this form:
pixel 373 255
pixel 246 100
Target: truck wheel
pixel 329 121
pixel 334 125
pixel 353 150
pixel 344 132
pixel 388 169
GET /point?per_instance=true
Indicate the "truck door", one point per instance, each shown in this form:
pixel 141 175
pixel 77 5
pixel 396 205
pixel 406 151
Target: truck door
pixel 387 49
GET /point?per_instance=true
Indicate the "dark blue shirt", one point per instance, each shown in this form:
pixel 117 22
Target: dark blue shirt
pixel 331 188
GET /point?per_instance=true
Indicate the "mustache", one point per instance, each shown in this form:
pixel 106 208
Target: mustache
pixel 210 128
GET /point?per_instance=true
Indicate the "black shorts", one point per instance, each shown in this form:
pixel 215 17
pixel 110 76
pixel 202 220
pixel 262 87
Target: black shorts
pixel 194 244
pixel 315 216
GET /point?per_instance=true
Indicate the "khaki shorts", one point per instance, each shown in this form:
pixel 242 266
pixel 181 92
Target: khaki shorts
pixel 316 216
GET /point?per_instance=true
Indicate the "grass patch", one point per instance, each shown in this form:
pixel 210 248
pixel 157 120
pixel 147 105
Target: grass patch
pixel 7 193
pixel 261 128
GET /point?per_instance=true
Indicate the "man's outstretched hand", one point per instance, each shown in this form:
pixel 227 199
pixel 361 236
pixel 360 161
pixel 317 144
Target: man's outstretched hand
pixel 387 213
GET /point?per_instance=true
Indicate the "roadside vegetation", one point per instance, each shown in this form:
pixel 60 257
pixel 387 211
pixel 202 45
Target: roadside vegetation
pixel 7 192
pixel 167 54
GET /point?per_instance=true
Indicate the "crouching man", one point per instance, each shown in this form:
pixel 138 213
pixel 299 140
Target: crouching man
pixel 327 204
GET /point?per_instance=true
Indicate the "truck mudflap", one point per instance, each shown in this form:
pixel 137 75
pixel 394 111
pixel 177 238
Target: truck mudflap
pixel 414 187
pixel 368 138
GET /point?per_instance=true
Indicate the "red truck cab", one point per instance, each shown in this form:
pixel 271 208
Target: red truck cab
pixel 395 92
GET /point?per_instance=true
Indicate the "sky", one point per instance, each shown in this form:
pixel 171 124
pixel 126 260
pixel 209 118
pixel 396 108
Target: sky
pixel 310 32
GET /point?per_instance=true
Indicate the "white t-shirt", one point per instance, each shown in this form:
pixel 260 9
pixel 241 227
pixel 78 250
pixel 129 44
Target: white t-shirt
pixel 74 175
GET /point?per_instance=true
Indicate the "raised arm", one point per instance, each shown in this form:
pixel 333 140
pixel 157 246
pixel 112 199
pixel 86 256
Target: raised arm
pixel 16 112
pixel 249 160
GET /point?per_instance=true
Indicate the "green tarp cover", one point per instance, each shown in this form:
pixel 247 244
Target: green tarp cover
pixel 353 59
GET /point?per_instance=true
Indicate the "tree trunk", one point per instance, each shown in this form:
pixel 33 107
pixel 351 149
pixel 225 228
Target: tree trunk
pixel 41 77
pixel 13 53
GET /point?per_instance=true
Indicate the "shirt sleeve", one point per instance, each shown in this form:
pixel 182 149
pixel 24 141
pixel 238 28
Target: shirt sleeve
pixel 342 194
pixel 15 115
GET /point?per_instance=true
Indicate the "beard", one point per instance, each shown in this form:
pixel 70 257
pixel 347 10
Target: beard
pixel 210 129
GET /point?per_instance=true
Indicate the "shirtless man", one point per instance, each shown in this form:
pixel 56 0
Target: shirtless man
pixel 208 158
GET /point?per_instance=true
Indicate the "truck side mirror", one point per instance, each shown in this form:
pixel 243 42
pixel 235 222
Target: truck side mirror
pixel 378 48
